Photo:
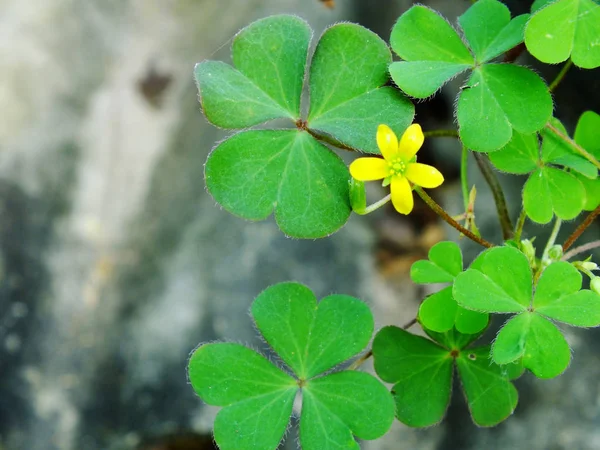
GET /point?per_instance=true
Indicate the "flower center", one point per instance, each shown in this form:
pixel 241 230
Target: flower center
pixel 396 166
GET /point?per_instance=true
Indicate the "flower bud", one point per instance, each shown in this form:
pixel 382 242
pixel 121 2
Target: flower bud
pixel 529 250
pixel 555 252
pixel 585 266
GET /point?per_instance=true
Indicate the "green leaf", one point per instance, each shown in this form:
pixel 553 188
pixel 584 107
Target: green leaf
pixel 336 406
pixel 510 36
pixel 498 98
pixel 519 156
pixel 592 191
pixel 491 397
pixel 539 4
pixel 347 97
pixel 432 51
pixel 556 151
pixel 230 100
pixel 421 79
pixel 421 371
pixel 309 338
pixel 558 296
pixel 489 30
pixel 549 191
pixel 422 34
pixel 565 28
pixel 581 309
pixel 514 370
pixel 349 61
pixel 502 284
pixel 482 22
pixel 255 172
pixel 470 322
pixel 272 54
pixel 558 279
pixel 552 145
pixel 543 347
pixel 251 388
pixel 453 339
pixel 587 132
pixel 438 311
pixel 445 262
pixel 355 122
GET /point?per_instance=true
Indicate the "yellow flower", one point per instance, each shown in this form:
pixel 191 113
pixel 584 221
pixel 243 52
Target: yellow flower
pixel 398 166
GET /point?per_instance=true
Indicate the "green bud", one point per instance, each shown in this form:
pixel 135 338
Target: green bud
pixel 586 265
pixel 529 250
pixel 555 252
pixel 358 196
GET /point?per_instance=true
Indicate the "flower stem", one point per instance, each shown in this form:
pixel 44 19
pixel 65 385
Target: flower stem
pixel 545 257
pixel 560 75
pixel 329 140
pixel 359 361
pixel 498 194
pixel 581 228
pixel 464 182
pixel 520 225
pixel 378 204
pixel 582 248
pixel 444 215
pixel 551 239
pixel 574 145
pixel 441 133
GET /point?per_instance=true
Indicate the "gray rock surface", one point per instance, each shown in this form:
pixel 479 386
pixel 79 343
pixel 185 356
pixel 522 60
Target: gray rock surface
pixel 115 262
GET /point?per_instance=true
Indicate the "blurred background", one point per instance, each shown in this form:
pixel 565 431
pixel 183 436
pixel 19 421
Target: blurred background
pixel 115 263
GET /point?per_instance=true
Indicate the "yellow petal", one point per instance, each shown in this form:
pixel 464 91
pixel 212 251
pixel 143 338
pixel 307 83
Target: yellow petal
pixel 424 175
pixel 368 169
pixel 402 197
pixel 387 142
pixel 411 142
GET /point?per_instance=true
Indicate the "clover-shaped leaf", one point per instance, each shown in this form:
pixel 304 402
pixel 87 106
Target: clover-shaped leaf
pixel 540 344
pixel 430 58
pixel 550 190
pixel 439 312
pixel 565 28
pixel 587 135
pixel 558 295
pixel 270 56
pixel 421 371
pixel 497 98
pixel 503 283
pixel 348 99
pixel 258 171
pixel 555 150
pixel 587 132
pixel 444 263
pixel 290 172
pixel 311 338
pixel 252 390
pixel 489 29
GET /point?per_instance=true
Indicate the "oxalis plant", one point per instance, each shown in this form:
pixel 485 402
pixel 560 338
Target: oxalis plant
pixel 360 100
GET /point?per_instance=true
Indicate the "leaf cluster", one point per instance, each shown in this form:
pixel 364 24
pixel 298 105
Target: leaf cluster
pixel 310 338
pixel 290 171
pixel 281 160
